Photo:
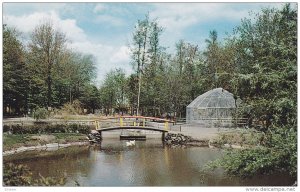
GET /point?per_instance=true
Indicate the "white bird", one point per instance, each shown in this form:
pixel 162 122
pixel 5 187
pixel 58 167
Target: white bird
pixel 130 143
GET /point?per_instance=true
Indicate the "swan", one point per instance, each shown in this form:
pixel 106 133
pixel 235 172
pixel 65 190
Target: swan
pixel 130 143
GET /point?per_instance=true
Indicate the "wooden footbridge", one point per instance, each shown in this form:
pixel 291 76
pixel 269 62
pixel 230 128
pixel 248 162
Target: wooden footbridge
pixel 134 122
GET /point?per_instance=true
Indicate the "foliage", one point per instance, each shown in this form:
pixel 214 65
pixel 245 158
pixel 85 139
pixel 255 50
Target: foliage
pixel 47 128
pixel 44 52
pixel 44 72
pixel 20 175
pixel 248 162
pixel 146 59
pixel 74 108
pixel 90 98
pixel 113 91
pixel 40 113
pixel 14 73
pixel 267 84
pixel 267 153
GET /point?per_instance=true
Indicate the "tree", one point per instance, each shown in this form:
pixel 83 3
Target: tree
pixel 91 98
pixel 140 43
pixel 14 73
pixel 269 66
pixel 113 92
pixel 44 50
pixel 183 77
pixel 146 54
pixel 267 84
pixel 212 59
pixel 151 79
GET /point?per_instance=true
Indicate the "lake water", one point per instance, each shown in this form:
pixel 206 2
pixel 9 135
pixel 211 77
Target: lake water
pixel 149 163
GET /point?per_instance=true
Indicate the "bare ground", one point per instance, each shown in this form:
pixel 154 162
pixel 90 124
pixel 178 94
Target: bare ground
pixel 198 132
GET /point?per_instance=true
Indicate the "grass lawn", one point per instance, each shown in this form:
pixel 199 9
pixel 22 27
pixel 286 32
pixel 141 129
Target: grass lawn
pixel 247 137
pixel 18 140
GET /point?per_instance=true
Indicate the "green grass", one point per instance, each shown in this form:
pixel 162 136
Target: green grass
pixel 241 137
pixel 69 137
pixel 13 141
pixel 18 140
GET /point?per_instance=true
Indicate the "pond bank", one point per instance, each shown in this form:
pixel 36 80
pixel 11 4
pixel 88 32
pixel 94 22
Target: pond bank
pixel 46 147
pixel 200 137
pixel 20 142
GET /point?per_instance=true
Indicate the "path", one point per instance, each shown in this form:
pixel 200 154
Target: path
pixel 198 132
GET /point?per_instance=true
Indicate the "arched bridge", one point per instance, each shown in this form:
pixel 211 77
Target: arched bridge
pixel 132 127
pixel 134 122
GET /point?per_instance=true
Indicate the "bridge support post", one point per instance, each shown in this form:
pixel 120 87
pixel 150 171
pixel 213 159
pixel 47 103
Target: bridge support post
pixel 163 136
pixel 100 134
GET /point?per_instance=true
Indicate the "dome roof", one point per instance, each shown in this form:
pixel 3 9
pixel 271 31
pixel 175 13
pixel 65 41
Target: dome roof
pixel 215 98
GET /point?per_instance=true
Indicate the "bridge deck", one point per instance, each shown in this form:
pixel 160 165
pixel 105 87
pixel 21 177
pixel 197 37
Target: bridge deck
pixel 131 127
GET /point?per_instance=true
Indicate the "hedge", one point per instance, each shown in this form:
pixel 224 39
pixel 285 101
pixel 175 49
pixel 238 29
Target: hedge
pixel 47 128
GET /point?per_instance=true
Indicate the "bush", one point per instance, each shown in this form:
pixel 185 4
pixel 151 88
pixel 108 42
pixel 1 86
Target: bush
pixel 84 129
pixel 40 113
pixel 6 128
pixel 48 128
pixel 74 108
pixel 279 153
pixel 20 175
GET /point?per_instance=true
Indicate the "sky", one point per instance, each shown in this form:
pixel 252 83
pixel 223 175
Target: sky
pixel 105 29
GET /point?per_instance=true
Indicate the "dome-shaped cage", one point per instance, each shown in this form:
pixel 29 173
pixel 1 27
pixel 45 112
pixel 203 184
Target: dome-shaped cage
pixel 213 108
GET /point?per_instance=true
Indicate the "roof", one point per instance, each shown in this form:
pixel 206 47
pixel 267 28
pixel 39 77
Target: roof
pixel 215 98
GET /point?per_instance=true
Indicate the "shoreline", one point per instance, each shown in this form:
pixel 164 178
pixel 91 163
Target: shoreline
pixel 200 138
pixel 55 145
pixel 46 147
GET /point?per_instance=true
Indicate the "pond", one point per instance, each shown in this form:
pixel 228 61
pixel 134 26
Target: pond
pixel 148 163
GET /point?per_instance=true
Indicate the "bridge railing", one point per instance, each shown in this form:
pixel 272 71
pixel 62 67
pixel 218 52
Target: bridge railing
pixel 134 121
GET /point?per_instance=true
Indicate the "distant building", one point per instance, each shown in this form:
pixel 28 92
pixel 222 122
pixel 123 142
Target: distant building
pixel 214 108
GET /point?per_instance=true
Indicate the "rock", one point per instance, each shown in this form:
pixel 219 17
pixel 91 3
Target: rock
pixel 94 137
pixel 176 139
pixel 237 147
pixel 227 145
pixel 52 145
pixel 45 138
pixel 20 149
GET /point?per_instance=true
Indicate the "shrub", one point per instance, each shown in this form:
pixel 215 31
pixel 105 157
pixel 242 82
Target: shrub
pixel 279 153
pixel 17 129
pixel 20 175
pixel 6 128
pixel 48 128
pixel 40 113
pixel 84 129
pixel 74 108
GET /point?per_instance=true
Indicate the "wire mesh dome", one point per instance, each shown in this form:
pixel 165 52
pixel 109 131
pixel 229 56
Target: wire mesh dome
pixel 213 107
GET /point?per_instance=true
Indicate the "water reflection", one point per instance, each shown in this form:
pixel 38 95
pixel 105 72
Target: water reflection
pixel 148 163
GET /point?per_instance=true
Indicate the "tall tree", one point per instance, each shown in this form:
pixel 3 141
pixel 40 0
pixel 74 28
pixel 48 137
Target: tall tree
pixel 151 80
pixel 268 80
pixel 14 73
pixel 90 98
pixel 140 43
pixel 212 54
pixel 183 77
pixel 44 49
pixel 267 84
pixel 113 92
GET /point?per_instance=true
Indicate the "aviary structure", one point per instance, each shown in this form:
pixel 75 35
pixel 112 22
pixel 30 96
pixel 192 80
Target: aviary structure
pixel 215 108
